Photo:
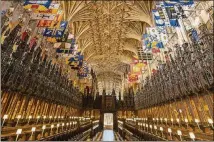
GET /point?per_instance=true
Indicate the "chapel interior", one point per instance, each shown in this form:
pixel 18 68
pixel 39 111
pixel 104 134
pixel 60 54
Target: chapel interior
pixel 98 70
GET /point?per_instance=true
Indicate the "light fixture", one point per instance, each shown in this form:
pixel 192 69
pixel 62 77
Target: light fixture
pixel 165 120
pixel 33 129
pixel 18 117
pixel 197 122
pixel 150 127
pixel 4 118
pixel 178 121
pixel 57 125
pixel 155 127
pixel 52 126
pixel 192 136
pixel 37 119
pixel 180 134
pixel 186 120
pixel 161 129
pixel 210 121
pixel 43 127
pixel 170 131
pixel 18 132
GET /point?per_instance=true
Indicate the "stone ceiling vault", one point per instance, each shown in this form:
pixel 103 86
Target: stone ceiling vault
pixel 108 33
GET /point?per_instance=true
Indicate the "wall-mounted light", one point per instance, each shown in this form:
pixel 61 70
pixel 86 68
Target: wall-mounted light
pixel 4 118
pixel 150 127
pixel 197 122
pixel 33 129
pixel 180 134
pixel 170 132
pixel 210 121
pixel 37 119
pixel 18 117
pixel 43 129
pixel 192 136
pixel 178 121
pixel 161 129
pixel 172 121
pixel 18 132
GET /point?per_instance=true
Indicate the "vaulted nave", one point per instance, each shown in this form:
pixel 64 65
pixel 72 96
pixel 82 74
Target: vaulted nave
pixel 96 70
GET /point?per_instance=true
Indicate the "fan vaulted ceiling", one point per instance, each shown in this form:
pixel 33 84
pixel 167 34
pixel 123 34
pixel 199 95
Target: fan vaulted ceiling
pixel 108 32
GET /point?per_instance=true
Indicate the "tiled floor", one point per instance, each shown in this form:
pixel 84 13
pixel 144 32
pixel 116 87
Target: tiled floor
pixel 108 135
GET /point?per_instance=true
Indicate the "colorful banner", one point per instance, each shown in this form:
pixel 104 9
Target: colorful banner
pixel 76 62
pixel 48 32
pixel 53 9
pixel 132 78
pixel 39 5
pixel 159 17
pixel 44 23
pixel 83 71
pixel 42 16
pixel 181 2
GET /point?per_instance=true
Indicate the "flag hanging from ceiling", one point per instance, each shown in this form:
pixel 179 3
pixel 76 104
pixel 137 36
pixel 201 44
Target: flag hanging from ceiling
pixel 44 23
pixel 132 78
pixel 158 17
pixel 52 9
pixel 83 71
pixel 48 32
pixel 76 61
pixel 39 5
pixel 174 2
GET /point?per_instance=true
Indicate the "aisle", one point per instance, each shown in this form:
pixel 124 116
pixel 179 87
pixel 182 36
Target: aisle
pixel 108 135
